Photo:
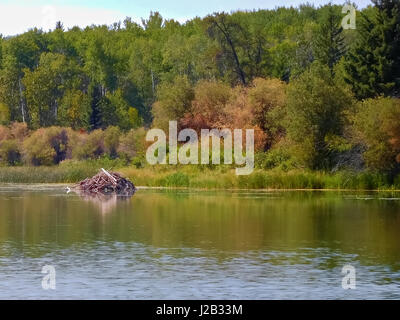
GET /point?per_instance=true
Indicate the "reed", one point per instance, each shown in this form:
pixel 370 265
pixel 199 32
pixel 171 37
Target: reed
pixel 222 177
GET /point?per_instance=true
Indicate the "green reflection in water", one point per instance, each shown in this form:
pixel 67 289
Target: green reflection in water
pixel 221 223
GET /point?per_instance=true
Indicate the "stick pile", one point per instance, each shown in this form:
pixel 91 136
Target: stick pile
pixel 107 183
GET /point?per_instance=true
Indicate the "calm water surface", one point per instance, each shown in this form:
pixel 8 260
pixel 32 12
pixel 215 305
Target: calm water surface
pixel 199 245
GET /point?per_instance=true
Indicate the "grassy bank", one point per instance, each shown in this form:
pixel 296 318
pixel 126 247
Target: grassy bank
pixel 260 179
pixel 202 177
pixel 43 174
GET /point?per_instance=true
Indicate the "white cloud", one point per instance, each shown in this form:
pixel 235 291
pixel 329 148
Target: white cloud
pixel 15 19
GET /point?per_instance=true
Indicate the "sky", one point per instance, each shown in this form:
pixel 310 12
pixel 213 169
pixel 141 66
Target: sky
pixel 17 16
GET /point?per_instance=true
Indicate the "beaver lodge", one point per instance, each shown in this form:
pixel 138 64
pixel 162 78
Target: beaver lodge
pixel 107 183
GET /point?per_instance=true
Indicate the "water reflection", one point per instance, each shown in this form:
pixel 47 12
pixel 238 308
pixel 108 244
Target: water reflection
pixel 104 202
pixel 225 244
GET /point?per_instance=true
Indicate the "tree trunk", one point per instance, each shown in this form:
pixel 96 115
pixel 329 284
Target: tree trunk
pixel 21 100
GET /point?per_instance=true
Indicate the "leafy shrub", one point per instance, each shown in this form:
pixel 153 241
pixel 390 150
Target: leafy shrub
pixel 10 151
pixel 378 126
pixel 173 100
pixel 89 146
pixel 132 144
pixel 272 158
pixel 267 98
pixel 207 110
pixel 74 139
pixel 4 133
pixel 238 113
pixel 111 140
pixel 46 146
pixel 19 130
pixel 139 161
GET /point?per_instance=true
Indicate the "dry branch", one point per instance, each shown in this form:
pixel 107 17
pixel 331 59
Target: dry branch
pixel 107 183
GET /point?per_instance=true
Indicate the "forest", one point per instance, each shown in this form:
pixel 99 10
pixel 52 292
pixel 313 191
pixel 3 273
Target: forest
pixel 320 98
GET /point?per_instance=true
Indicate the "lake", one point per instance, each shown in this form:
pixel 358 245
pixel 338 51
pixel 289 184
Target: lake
pixel 186 244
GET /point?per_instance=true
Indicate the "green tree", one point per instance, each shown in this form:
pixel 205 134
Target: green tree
pixel 229 34
pixel 173 101
pixel 46 85
pixel 127 117
pixel 378 128
pixel 316 109
pixel 373 64
pixel 4 114
pixel 19 53
pixel 267 98
pixel 329 45
pixel 74 109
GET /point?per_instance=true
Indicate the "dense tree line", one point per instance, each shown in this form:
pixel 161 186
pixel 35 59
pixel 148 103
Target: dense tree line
pixel 110 75
pixel 317 96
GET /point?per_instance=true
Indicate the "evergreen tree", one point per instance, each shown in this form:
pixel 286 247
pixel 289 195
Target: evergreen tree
pixel 329 44
pixel 373 65
pixel 95 115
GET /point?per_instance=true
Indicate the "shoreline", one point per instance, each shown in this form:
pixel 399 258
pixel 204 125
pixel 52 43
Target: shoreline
pixel 50 186
pixel 203 178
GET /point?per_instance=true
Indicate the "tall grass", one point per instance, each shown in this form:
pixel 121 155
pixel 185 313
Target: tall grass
pixel 44 174
pixel 221 177
pixel 68 171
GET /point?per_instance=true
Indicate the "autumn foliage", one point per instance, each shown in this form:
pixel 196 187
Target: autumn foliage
pixel 217 105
